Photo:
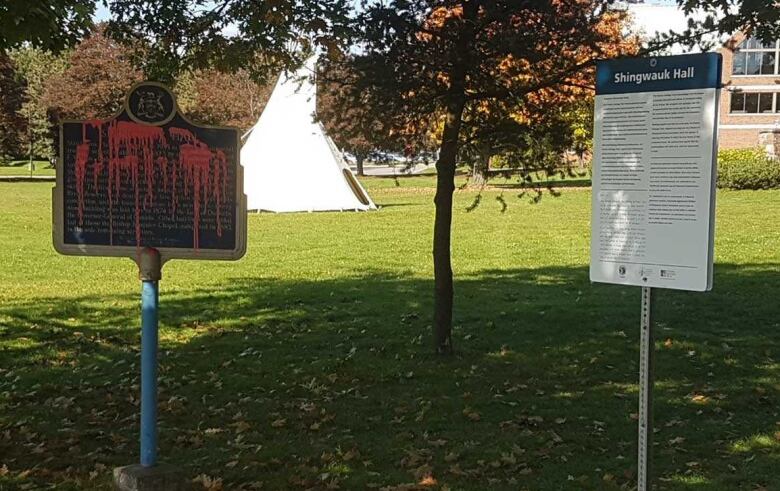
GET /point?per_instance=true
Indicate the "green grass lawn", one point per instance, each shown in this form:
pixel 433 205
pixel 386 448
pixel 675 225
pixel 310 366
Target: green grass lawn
pixel 22 168
pixel 307 364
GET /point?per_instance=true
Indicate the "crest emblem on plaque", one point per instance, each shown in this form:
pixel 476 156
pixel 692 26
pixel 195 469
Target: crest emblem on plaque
pixel 150 105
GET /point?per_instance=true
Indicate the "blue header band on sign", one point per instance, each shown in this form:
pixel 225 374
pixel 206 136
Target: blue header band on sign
pixel 682 72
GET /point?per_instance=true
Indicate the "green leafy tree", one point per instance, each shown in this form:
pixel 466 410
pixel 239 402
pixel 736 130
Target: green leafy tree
pixel 261 37
pixel 344 121
pixel 49 24
pixel 36 66
pixel 581 118
pixel 347 118
pixel 12 125
pixel 758 17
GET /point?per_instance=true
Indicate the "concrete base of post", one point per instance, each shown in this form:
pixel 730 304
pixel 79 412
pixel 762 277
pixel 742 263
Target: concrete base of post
pixel 161 477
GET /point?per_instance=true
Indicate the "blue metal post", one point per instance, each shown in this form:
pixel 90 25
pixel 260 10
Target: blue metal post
pixel 150 272
pixel 149 299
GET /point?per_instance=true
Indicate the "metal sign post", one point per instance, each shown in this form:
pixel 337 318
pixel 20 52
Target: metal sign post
pixel 646 348
pixel 150 272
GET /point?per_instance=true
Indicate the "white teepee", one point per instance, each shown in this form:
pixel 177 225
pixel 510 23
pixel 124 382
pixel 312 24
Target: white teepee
pixel 289 162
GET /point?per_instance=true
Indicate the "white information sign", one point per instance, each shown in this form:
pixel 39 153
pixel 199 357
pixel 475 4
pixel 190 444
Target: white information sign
pixel 655 148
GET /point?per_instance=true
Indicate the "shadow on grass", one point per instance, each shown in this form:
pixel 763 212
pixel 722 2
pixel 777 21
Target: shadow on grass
pixel 395 205
pixel 310 384
pixel 571 182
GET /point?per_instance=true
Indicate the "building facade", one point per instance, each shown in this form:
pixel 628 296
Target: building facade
pixel 750 100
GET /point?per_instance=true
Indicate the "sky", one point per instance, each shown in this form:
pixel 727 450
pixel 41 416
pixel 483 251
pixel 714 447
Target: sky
pixel 101 13
pixel 663 16
pixel 658 18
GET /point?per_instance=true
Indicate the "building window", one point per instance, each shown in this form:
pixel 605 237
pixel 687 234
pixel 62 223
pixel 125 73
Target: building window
pixel 766 103
pixel 754 102
pixel 754 57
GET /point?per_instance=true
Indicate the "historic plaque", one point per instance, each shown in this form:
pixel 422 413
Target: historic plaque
pixel 654 155
pixel 148 177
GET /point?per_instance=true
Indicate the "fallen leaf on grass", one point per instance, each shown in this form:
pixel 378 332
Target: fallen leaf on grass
pixel 508 458
pixel 428 480
pixel 700 399
pixel 241 426
pixel 350 454
pixel 471 414
pixel 209 483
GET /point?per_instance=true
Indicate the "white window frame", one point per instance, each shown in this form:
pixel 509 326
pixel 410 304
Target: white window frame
pixel 747 90
pixel 776 51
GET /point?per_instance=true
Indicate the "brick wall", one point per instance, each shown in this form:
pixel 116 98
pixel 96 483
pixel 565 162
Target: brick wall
pixel 730 138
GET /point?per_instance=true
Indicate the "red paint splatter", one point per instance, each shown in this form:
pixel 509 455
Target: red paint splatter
pixel 182 134
pixel 220 177
pixel 135 149
pixel 82 158
pixel 196 161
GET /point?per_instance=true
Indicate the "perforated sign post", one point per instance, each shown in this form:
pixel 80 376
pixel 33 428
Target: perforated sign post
pixel 149 185
pixel 652 224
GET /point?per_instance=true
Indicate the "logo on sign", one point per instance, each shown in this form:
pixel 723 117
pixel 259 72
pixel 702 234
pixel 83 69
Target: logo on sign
pixel 622 271
pixel 150 105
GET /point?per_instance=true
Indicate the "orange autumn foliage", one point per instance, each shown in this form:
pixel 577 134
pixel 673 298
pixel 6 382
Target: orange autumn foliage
pixel 520 73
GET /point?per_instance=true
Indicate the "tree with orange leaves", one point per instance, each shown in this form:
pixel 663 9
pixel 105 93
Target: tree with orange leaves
pixel 531 135
pixel 222 98
pixel 99 72
pixel 497 77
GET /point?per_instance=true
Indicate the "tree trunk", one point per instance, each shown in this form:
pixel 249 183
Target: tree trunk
pixel 479 174
pixel 442 231
pixel 445 184
pixel 359 159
